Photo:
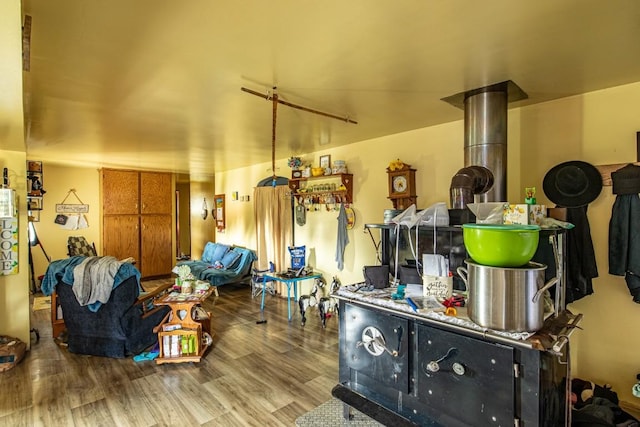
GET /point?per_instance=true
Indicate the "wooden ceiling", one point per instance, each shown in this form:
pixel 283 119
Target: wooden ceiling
pixel 156 84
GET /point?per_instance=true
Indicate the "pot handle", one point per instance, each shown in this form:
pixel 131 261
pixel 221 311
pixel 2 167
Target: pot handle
pixel 546 286
pixel 463 275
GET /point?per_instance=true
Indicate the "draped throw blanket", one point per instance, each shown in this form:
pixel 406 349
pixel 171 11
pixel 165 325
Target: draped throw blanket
pixel 93 279
pixel 62 272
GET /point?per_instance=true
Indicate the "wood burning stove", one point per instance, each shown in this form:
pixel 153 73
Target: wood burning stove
pixel 406 368
pixel 402 370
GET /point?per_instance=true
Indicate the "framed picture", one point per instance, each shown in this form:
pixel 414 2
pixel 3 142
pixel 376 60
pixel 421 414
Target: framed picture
pixel 219 211
pixel 33 166
pixel 325 161
pixel 34 203
pixel 34 216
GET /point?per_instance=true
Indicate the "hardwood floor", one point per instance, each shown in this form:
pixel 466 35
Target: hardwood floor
pixel 253 375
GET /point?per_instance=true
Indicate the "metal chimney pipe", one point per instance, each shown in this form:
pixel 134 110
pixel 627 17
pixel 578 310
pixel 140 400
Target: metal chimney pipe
pixel 485 139
pixel 485 134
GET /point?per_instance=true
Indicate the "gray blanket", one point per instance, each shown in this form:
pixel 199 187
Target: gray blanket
pixel 93 279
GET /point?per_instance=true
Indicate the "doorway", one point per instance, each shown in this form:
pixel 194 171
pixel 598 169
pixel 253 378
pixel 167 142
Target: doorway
pixel 183 217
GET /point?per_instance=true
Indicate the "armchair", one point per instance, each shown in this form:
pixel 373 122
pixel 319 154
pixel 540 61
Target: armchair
pixel 121 327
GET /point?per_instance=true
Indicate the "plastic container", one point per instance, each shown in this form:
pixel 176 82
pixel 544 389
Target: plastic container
pixel 488 213
pixel 501 245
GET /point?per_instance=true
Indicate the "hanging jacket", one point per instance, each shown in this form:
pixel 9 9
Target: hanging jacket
pixel 624 241
pixel 581 258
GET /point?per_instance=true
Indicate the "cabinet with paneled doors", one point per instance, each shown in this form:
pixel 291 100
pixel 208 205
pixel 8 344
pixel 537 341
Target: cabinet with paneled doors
pixel 137 210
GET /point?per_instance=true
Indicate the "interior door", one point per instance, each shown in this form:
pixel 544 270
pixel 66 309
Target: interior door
pixel 183 219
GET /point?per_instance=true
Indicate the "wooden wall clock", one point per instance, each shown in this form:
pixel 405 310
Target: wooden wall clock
pixel 402 187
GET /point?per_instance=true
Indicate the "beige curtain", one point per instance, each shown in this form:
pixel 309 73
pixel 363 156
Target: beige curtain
pixel 273 226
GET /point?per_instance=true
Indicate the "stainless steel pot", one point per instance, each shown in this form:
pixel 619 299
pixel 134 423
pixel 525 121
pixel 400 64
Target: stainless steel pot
pixel 506 299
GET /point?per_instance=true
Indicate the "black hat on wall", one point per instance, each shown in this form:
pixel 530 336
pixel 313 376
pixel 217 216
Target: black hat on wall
pixel 572 184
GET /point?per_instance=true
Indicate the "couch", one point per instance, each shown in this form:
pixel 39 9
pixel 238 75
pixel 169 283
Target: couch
pixel 120 327
pixel 221 264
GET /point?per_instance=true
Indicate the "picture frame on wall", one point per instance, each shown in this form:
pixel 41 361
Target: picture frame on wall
pixel 34 203
pixel 34 166
pixel 34 216
pixel 325 161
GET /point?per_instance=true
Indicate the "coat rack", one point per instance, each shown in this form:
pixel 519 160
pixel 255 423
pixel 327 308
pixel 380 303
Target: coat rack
pixel 605 170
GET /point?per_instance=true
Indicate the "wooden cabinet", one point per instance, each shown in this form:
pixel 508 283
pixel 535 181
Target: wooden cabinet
pixel 120 192
pixel 137 219
pixel 121 237
pixel 154 197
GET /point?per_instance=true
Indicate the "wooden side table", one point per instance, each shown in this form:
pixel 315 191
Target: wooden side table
pixel 57 321
pixel 180 335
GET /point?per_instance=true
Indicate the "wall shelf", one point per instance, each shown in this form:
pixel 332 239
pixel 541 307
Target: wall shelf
pixel 34 190
pixel 301 187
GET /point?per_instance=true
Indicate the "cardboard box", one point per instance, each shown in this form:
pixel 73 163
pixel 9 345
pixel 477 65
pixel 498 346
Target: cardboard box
pixel 524 214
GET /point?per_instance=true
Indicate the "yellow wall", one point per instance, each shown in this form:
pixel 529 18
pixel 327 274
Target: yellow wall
pixel 14 289
pixel 57 181
pixel 600 128
pixel 202 231
pixel 240 224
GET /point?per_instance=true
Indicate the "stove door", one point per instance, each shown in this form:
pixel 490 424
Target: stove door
pixel 374 345
pixel 469 379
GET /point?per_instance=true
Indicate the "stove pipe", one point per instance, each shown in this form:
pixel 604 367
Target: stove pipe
pixel 485 143
pixel 485 140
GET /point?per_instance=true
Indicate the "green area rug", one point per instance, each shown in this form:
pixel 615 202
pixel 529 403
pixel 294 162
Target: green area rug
pixel 331 414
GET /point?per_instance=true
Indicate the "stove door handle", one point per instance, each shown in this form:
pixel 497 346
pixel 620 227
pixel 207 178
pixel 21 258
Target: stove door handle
pixel 434 365
pixel 398 332
pixel 382 344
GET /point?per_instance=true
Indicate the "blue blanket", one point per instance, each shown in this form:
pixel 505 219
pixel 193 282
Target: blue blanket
pixel 61 271
pixel 204 270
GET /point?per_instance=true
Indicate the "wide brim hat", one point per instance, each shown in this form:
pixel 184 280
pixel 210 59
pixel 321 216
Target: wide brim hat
pixel 572 184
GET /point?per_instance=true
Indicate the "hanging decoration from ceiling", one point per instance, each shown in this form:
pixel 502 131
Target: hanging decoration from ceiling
pixel 273 97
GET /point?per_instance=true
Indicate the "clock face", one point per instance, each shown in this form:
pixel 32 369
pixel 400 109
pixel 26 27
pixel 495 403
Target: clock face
pixel 400 184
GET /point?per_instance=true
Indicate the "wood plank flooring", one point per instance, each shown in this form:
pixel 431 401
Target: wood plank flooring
pixel 253 375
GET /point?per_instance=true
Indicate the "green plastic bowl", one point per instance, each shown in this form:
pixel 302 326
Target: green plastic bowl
pixel 501 245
